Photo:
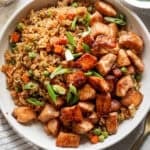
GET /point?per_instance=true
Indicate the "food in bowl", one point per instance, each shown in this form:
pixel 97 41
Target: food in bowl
pixel 76 68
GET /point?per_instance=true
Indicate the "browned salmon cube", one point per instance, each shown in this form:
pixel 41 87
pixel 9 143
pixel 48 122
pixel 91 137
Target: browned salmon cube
pixel 77 78
pixel 86 62
pixel 77 114
pixel 93 118
pixel 48 112
pixel 122 59
pixel 69 114
pixel 99 83
pixel 112 123
pixel 131 40
pixel 96 17
pixel 66 115
pixel 132 97
pixel 86 106
pixel 87 93
pixel 24 114
pixel 53 127
pixel 68 140
pixel 123 85
pixel 103 104
pixel 82 127
pixel 105 63
pixel 105 8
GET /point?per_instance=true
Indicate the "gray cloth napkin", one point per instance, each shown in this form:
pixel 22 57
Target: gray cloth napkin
pixel 10 140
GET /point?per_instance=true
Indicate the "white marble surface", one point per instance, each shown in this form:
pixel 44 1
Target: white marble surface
pixel 125 144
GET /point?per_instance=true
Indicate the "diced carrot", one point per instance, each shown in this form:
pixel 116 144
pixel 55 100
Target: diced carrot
pixel 48 47
pixel 62 17
pixel 93 139
pixel 58 49
pixel 25 78
pixel 15 37
pixel 62 41
pixel 71 16
pixel 51 69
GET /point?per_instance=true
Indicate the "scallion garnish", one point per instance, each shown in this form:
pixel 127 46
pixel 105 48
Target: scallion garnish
pixel 59 71
pixel 35 101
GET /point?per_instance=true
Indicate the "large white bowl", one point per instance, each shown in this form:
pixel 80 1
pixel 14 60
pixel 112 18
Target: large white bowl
pixel 139 4
pixel 35 133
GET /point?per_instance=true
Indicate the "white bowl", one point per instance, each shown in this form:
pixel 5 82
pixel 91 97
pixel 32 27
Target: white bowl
pixel 140 4
pixel 35 133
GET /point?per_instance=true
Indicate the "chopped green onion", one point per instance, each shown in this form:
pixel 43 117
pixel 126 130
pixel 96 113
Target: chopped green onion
pixel 76 55
pixel 120 20
pixel 84 34
pixel 46 73
pixel 35 101
pixel 28 47
pixel 20 27
pixel 86 47
pixel 105 134
pixel 30 72
pixel 138 77
pixel 101 138
pixel 51 92
pixel 90 8
pixel 87 19
pixel 59 89
pixel 124 69
pixel 13 46
pixel 97 131
pixel 59 71
pixel 70 47
pixel 92 73
pixel 68 55
pixel 74 23
pixel 48 13
pixel 32 55
pixel 72 95
pixel 30 86
pixel 74 4
pixel 71 39
pixel 13 61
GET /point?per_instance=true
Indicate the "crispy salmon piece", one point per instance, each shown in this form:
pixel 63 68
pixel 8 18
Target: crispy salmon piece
pixel 53 127
pixel 115 105
pixel 99 28
pixel 87 93
pixel 122 59
pixel 48 112
pixel 136 61
pixel 103 104
pixel 24 114
pixel 69 114
pixel 105 8
pixel 68 140
pixel 131 40
pixel 82 127
pixel 93 118
pixel 105 64
pixel 123 85
pixel 77 78
pixel 86 106
pixel 99 83
pixel 96 17
pixel 104 41
pixel 112 123
pixel 132 97
pixel 86 62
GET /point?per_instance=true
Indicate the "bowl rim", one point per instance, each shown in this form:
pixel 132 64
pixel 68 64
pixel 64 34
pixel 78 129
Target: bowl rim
pixel 138 4
pixel 8 118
